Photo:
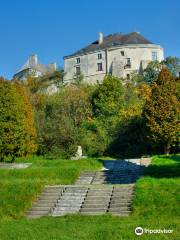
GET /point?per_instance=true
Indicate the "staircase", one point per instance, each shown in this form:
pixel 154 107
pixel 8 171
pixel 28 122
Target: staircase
pixel 70 202
pixel 121 200
pixel 97 200
pixel 94 193
pixel 45 202
pixel 109 177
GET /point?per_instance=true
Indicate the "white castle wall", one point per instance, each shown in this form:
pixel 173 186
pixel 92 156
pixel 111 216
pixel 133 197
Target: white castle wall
pixel 112 61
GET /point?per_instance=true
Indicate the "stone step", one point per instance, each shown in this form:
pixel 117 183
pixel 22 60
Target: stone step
pixel 97 198
pixel 96 201
pixel 117 209
pixel 99 193
pixel 46 204
pixel 91 210
pixel 123 192
pixel 122 196
pixel 46 201
pixel 103 205
pixel 92 196
pixel 66 198
pixel 48 197
pixel 120 189
pixel 67 205
pixel 44 194
pixel 92 213
pixel 119 201
pixel 117 205
pixel 62 213
pixel 69 208
pixel 76 188
pixel 75 191
pixel 117 194
pixel 69 194
pixel 123 189
pixel 38 212
pixel 100 190
pixel 69 201
pixel 40 208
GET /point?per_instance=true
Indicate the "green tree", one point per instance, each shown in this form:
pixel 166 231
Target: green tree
pixel 107 100
pixel 64 113
pixel 162 109
pixel 173 65
pixel 152 71
pixel 28 122
pixel 15 122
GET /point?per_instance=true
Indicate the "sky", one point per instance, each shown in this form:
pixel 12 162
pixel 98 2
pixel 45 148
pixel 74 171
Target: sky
pixel 56 28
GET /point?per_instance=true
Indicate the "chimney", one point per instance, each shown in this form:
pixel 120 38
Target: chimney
pixel 33 60
pixel 53 66
pixel 100 38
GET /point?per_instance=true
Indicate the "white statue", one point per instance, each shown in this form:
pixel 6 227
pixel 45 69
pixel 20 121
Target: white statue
pixel 79 152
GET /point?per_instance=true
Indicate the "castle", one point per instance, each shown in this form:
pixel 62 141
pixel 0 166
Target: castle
pixel 117 54
pixel 32 66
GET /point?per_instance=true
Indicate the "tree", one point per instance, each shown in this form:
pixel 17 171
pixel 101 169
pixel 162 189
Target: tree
pixel 173 65
pixel 28 122
pixel 152 71
pixel 162 109
pixel 64 113
pixel 16 133
pixel 108 97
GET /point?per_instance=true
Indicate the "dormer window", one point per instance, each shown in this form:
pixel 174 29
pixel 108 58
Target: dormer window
pixel 78 60
pixel 99 55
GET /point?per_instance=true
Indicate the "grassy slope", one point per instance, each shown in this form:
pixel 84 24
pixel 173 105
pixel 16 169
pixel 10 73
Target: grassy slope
pixel 19 188
pixel 156 204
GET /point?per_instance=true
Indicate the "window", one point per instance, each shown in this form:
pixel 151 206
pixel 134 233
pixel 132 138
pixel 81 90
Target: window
pixel 154 56
pixel 78 70
pixel 78 60
pixel 128 61
pixel 99 55
pixel 128 76
pixel 122 53
pixel 99 65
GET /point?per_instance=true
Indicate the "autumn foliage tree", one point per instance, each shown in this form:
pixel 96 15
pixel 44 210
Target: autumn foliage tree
pixel 28 121
pixel 162 110
pixel 17 133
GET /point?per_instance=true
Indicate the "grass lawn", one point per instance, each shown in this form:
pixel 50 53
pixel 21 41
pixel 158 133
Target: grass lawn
pixel 156 203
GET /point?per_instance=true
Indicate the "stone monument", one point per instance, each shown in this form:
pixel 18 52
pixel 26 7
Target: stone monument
pixel 78 154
